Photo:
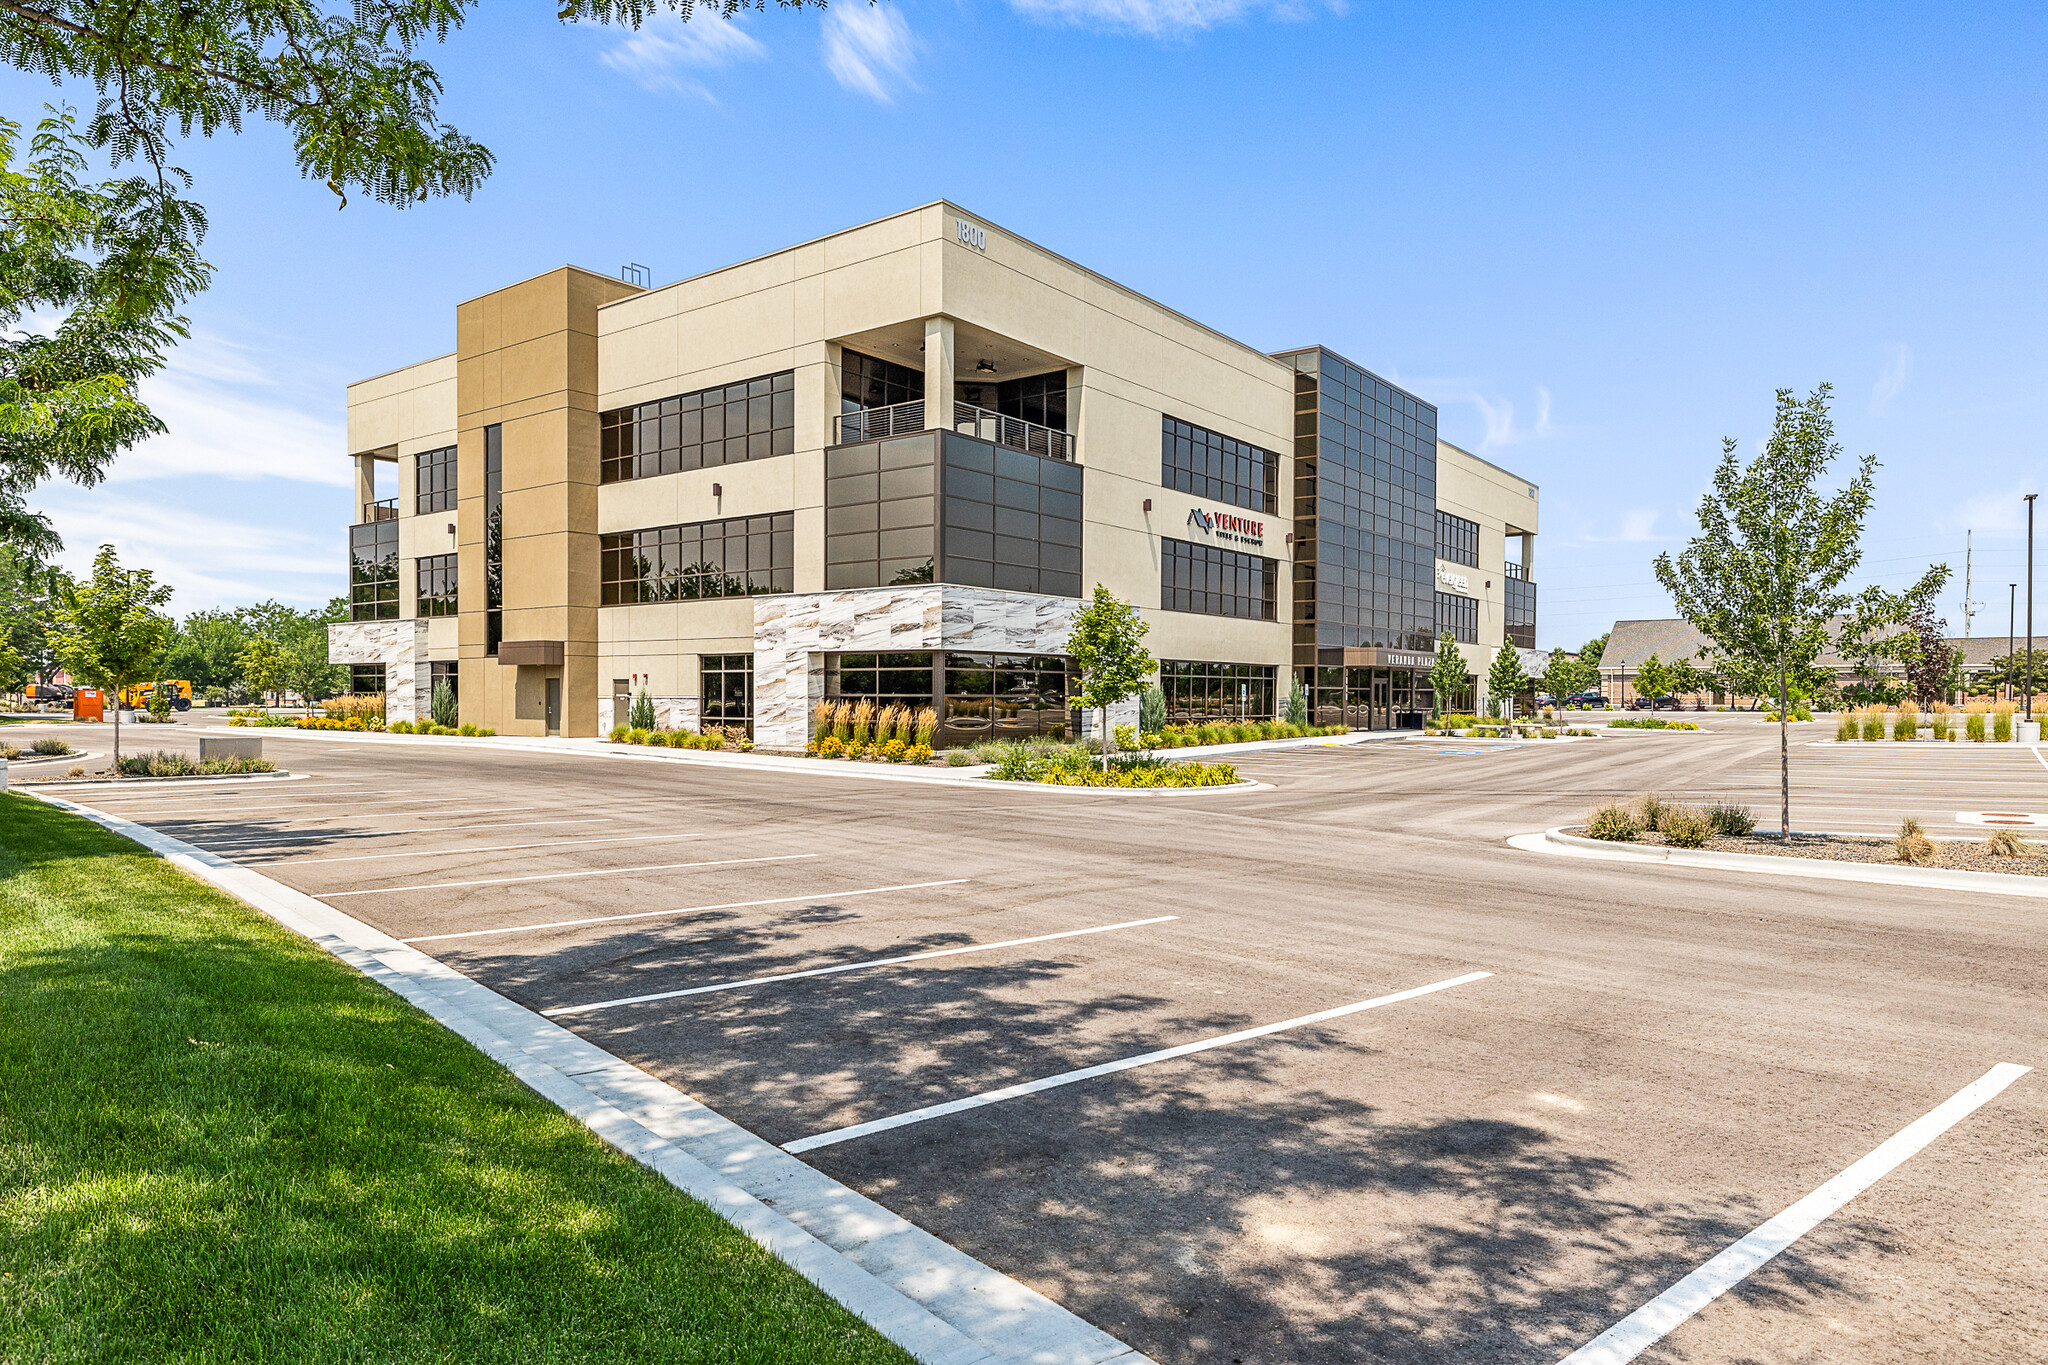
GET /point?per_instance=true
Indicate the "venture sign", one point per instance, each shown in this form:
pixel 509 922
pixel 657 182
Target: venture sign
pixel 1228 526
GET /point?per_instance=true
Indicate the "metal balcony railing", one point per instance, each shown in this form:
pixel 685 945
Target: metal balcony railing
pixel 1514 570
pixel 872 424
pixel 1014 432
pixel 386 510
pixel 903 419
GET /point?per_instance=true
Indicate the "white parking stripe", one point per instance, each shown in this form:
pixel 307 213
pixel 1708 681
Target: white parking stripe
pixel 558 876
pixel 850 967
pixel 1649 1324
pixel 681 910
pixel 1086 1073
pixel 484 848
pixel 302 835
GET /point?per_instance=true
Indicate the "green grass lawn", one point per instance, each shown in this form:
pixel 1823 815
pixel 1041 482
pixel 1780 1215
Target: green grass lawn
pixel 217 1143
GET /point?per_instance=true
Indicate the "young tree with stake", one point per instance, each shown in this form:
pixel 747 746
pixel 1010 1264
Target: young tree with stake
pixel 1108 646
pixel 1506 679
pixel 110 632
pixel 1447 674
pixel 1763 579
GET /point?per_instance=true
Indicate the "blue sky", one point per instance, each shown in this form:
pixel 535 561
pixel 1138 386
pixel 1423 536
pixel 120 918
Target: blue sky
pixel 1597 237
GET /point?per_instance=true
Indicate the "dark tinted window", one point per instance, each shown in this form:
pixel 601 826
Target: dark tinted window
pixel 1459 615
pixel 1519 612
pixel 749 420
pixel 730 558
pixel 435 585
pixel 373 571
pixel 1198 692
pixel 867 382
pixel 728 695
pixel 1218 467
pixel 434 480
pixel 1216 582
pixel 1457 539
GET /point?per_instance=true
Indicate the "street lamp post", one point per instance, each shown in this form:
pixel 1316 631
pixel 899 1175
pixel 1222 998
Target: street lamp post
pixel 2012 591
pixel 2030 604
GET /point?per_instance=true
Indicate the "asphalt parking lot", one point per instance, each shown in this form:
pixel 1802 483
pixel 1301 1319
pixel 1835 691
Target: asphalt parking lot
pixel 1620 1071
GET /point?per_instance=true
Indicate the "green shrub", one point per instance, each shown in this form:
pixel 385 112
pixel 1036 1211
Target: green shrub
pixel 1846 729
pixel 50 745
pixel 2001 727
pixel 1906 725
pixel 619 733
pixel 443 704
pixel 1684 827
pixel 959 758
pixel 1873 726
pixel 1152 709
pixel 642 717
pixel 1613 822
pixel 639 734
pixel 918 754
pixel 164 763
pixel 1127 738
pixel 1297 705
pixel 1973 727
pixel 1650 809
pixel 1726 818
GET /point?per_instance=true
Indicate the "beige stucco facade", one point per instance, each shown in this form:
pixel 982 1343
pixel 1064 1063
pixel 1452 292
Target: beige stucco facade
pixel 1504 506
pixel 936 290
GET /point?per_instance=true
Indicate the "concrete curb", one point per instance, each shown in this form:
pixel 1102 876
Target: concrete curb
pixel 824 767
pixel 168 783
pixel 1557 843
pixel 933 1300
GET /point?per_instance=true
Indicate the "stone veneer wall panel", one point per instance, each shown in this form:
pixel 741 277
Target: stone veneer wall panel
pixel 401 646
pixel 793 632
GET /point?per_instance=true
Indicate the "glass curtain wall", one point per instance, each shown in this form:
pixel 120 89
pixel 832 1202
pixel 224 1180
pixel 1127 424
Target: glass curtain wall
pixel 1365 524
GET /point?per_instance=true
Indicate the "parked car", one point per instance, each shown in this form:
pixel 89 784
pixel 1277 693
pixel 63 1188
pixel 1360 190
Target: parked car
pixel 1655 704
pixel 1596 701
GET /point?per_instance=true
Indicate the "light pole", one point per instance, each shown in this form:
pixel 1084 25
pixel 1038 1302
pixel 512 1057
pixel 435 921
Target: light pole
pixel 2011 596
pixel 2030 604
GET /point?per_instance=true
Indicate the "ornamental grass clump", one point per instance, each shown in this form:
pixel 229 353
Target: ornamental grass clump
pixel 49 745
pixel 1906 724
pixel 1615 823
pixel 1911 844
pixel 2001 722
pixel 1873 724
pixel 1727 818
pixel 1846 729
pixel 924 726
pixel 862 723
pixel 1650 809
pixel 1684 827
pixel 2006 843
pixel 822 718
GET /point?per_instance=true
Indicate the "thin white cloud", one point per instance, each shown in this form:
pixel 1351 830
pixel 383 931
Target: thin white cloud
pixel 1638 525
pixel 1891 380
pixel 231 416
pixel 1165 18
pixel 661 51
pixel 869 49
pixel 1497 419
pixel 208 559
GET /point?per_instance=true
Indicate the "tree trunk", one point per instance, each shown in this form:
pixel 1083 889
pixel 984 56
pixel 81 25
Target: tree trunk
pixel 1784 759
pixel 1104 737
pixel 117 734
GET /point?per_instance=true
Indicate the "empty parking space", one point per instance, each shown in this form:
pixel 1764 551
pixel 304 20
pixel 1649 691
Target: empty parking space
pixel 1318 1072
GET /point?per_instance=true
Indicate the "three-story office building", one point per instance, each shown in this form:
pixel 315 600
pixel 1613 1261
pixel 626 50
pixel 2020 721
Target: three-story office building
pixel 890 464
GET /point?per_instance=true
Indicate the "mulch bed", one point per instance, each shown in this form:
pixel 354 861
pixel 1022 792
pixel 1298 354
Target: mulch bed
pixel 1962 855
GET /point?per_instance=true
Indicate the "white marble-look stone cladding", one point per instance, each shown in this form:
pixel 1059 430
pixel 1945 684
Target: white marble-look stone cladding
pixel 401 646
pixel 670 713
pixel 794 632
